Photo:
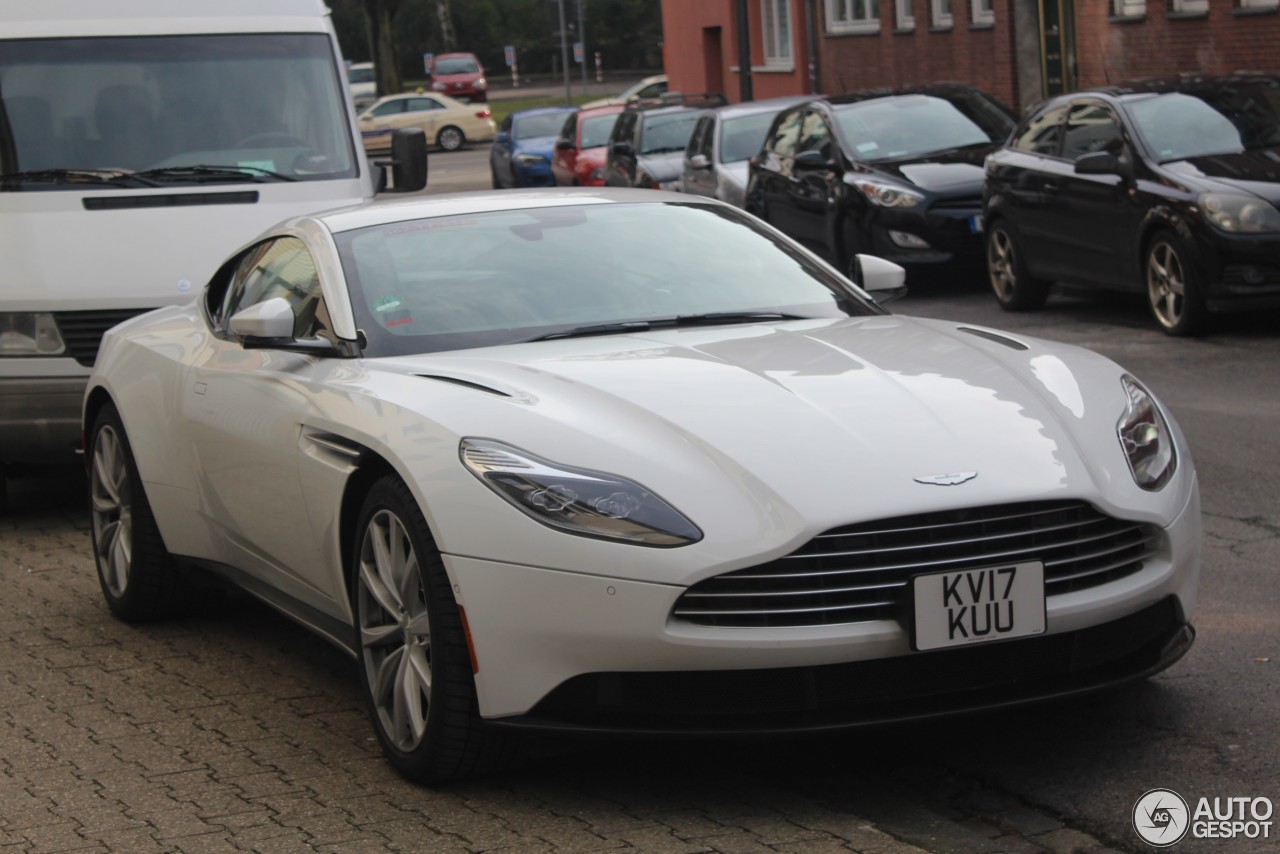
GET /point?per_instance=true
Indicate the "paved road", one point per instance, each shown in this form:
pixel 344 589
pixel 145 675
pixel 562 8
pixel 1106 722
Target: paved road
pixel 237 731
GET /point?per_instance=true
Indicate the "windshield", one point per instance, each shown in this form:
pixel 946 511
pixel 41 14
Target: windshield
pixel 268 102
pixel 531 127
pixel 360 75
pixel 456 65
pixel 663 134
pixel 596 130
pixel 911 126
pixel 742 137
pixel 483 279
pixel 1227 120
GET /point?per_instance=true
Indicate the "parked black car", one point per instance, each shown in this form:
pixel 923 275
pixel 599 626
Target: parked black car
pixel 896 174
pixel 646 148
pixel 1167 187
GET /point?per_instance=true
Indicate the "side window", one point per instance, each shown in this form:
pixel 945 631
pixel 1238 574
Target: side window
pixel 569 133
pixel 1042 134
pixel 700 139
pixel 815 135
pixel 389 108
pixel 786 136
pixel 279 268
pixel 419 104
pixel 1090 128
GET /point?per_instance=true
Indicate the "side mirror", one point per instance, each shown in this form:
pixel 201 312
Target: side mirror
pixel 699 161
pixel 884 280
pixel 1101 163
pixel 623 148
pixel 408 160
pixel 502 136
pixel 270 319
pixel 813 160
pixel 564 144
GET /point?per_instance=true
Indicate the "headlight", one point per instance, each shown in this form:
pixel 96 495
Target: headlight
pixel 1237 214
pixel 29 335
pixel 888 195
pixel 1145 438
pixel 590 503
pixel 482 83
pixel 531 159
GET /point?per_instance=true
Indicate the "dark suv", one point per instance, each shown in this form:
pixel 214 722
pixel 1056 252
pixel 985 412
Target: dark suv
pixel 646 148
pixel 896 174
pixel 1166 187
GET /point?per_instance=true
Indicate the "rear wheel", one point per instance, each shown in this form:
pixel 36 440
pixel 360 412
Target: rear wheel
pixel 450 138
pixel 1014 286
pixel 1172 289
pixel 415 665
pixel 139 578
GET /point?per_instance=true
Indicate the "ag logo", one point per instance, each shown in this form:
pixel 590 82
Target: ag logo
pixel 1161 817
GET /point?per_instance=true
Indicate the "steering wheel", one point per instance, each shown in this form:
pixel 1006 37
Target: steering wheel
pixel 270 140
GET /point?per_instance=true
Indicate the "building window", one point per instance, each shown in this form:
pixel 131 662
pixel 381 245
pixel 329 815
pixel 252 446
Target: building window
pixel 1259 4
pixel 983 13
pixel 1130 8
pixel 777 32
pixel 1191 6
pixel 906 14
pixel 852 16
pixel 941 12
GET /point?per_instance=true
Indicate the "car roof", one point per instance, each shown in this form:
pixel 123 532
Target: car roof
pixel 768 105
pixel 541 111
pixel 383 212
pixel 607 109
pixel 941 89
pixel 455 53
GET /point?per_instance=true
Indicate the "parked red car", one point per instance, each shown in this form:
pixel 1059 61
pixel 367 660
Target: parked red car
pixel 583 146
pixel 459 75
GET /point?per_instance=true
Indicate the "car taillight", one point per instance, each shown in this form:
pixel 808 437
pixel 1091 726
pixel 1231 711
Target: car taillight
pixel 484 114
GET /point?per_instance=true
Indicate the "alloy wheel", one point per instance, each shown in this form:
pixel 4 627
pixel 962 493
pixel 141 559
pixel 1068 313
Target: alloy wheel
pixel 1000 264
pixel 112 509
pixel 1166 283
pixel 450 139
pixel 395 631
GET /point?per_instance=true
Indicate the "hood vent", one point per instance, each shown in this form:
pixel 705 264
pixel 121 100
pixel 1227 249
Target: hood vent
pixel 994 336
pixel 465 384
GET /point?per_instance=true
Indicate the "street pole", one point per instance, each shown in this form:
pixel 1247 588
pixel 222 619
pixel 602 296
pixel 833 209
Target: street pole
pixel 744 53
pixel 582 37
pixel 564 55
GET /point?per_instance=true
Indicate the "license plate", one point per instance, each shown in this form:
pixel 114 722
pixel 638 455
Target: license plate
pixel 975 224
pixel 978 605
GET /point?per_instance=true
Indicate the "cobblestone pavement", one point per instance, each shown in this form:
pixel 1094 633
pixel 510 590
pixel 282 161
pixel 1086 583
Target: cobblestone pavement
pixel 238 731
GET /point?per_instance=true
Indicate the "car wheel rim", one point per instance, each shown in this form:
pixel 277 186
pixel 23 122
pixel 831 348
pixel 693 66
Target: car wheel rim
pixel 395 631
pixel 112 508
pixel 449 140
pixel 1166 283
pixel 1000 264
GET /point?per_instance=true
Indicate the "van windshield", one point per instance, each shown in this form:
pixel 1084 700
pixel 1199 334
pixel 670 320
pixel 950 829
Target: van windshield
pixel 258 107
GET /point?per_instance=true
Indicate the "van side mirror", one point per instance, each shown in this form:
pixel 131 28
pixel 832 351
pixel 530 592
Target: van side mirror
pixel 408 161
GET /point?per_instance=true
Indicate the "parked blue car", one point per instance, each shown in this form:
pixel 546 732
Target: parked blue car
pixel 525 144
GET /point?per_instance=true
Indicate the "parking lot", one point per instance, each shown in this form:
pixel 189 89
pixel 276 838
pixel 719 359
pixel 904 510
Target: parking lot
pixel 238 731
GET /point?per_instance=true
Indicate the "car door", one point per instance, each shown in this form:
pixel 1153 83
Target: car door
pixel 566 155
pixel 769 196
pixel 812 189
pixel 1094 217
pixel 1017 176
pixel 623 145
pixel 698 176
pixel 381 120
pixel 242 411
pixel 424 112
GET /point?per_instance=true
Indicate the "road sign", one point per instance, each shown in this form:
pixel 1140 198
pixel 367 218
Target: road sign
pixel 577 52
pixel 510 53
pixel 427 60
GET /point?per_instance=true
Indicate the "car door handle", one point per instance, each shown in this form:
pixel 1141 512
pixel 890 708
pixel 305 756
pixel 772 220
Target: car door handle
pixel 1051 188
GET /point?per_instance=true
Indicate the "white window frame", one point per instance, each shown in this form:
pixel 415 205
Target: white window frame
pixel 1190 6
pixel 1259 4
pixel 842 16
pixel 940 18
pixel 1130 8
pixel 905 12
pixel 778 53
pixel 980 15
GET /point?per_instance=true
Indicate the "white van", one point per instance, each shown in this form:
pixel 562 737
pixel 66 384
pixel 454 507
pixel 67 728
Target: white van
pixel 141 141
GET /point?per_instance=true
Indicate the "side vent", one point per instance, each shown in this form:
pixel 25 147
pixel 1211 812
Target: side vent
pixel 465 384
pixel 994 336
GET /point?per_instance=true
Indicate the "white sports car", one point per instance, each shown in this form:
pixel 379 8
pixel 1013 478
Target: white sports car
pixel 632 461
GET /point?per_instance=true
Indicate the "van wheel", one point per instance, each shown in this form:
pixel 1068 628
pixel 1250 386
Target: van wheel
pixel 450 138
pixel 1014 286
pixel 1173 291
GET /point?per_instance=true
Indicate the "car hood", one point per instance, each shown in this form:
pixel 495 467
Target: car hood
pixel 953 172
pixel 1256 172
pixel 662 167
pixel 775 432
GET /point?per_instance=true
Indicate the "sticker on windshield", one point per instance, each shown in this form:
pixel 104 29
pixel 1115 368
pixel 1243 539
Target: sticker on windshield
pixel 386 304
pixel 866 147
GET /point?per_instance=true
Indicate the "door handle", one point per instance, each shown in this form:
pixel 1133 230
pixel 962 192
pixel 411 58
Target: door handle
pixel 1051 188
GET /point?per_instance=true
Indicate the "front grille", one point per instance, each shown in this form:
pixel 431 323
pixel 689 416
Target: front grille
pixel 863 572
pixel 83 330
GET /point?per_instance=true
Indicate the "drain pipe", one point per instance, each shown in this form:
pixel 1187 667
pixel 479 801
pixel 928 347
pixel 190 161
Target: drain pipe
pixel 815 87
pixel 744 53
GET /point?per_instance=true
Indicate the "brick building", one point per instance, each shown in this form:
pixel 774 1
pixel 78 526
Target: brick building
pixel 1018 50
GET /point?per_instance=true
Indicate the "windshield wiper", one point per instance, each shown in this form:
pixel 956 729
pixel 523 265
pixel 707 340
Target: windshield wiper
pixel 206 172
pixel 708 319
pixel 111 177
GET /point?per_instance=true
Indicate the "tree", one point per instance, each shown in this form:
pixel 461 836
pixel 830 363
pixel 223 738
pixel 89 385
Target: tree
pixel 379 18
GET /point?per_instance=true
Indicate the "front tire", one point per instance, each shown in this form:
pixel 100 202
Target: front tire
pixel 1014 286
pixel 450 138
pixel 140 579
pixel 1173 291
pixel 415 665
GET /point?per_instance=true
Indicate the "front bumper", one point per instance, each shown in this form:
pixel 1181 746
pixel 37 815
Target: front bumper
pixel 40 419
pixel 1241 271
pixel 533 176
pixel 573 651
pixel 952 230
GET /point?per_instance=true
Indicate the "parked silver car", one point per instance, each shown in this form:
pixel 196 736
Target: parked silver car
pixel 715 161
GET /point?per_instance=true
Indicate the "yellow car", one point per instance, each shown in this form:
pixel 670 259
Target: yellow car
pixel 447 123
